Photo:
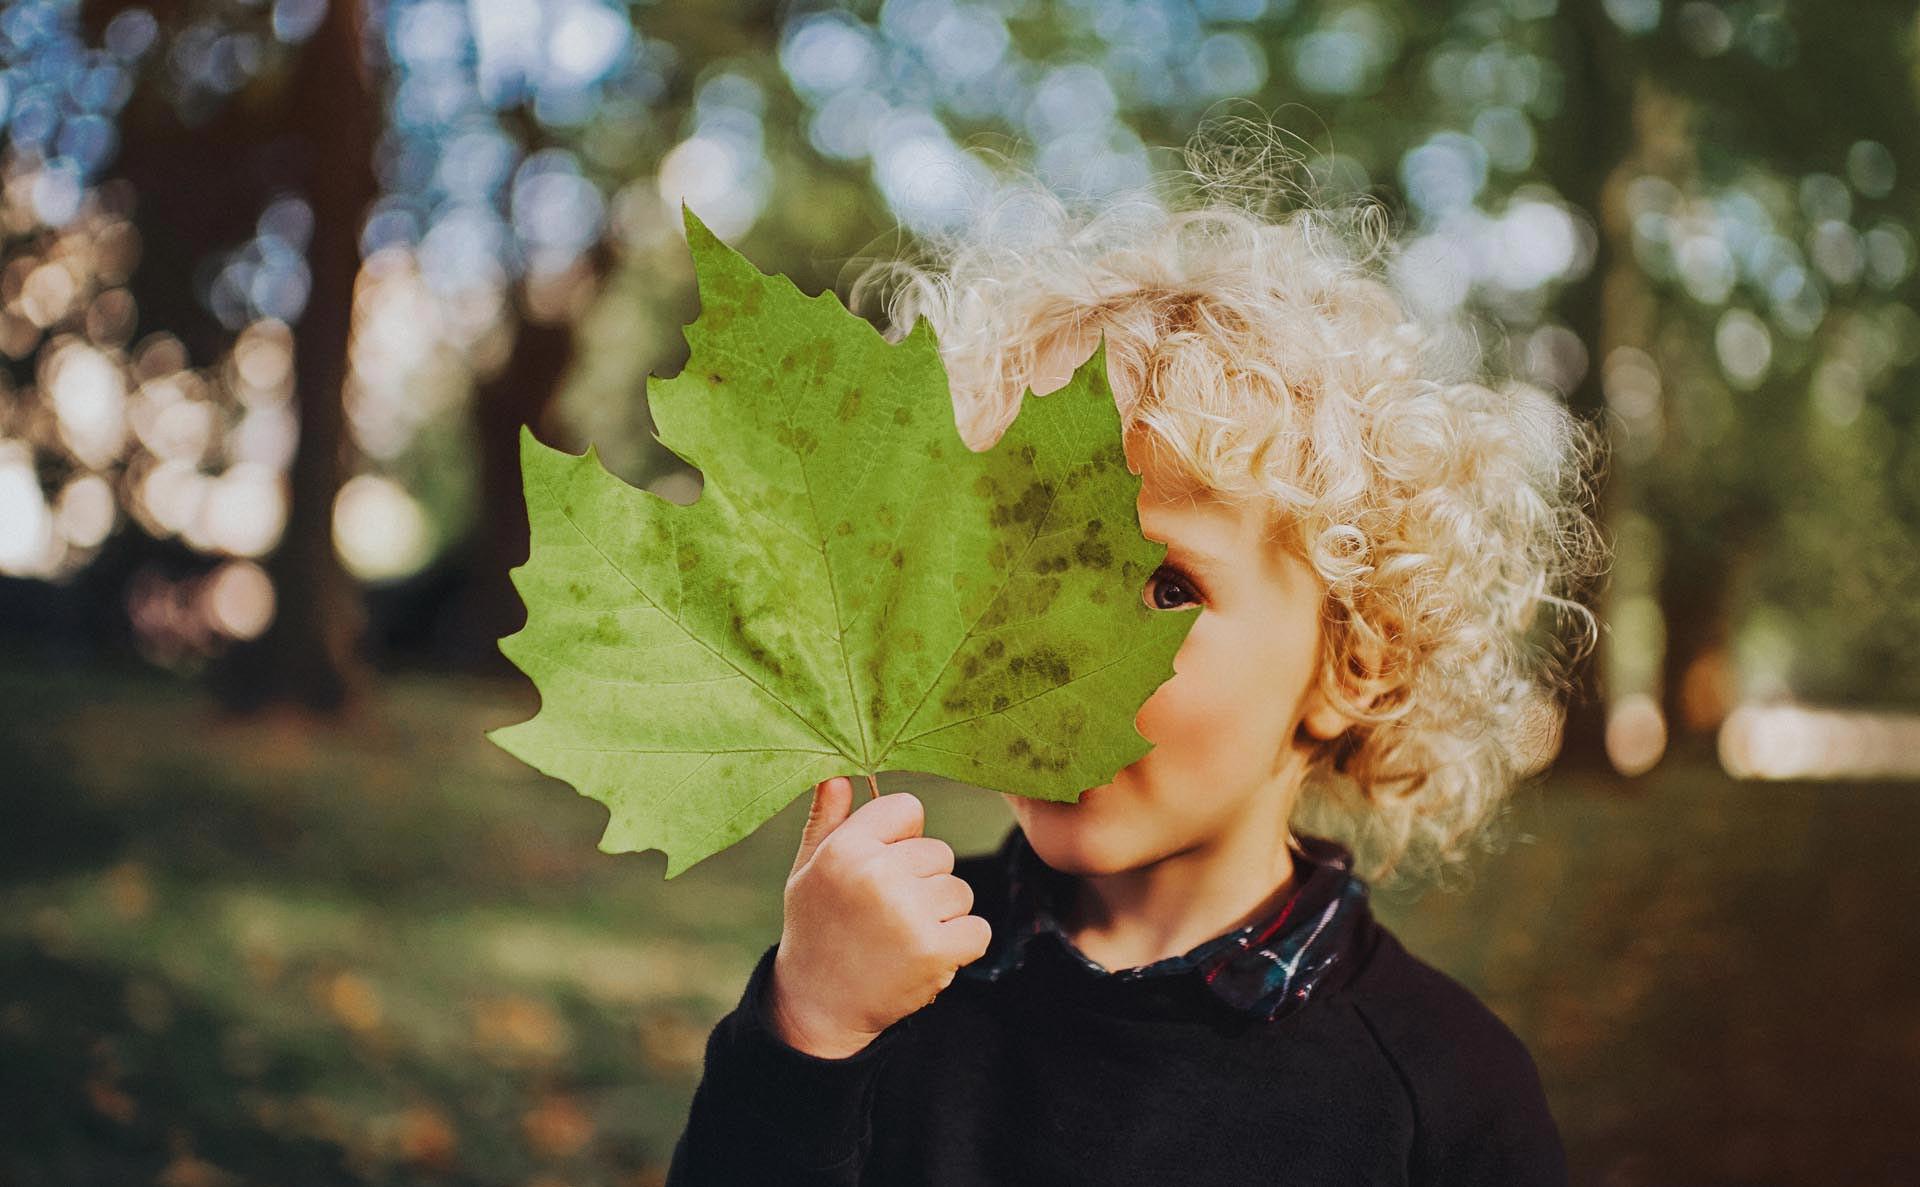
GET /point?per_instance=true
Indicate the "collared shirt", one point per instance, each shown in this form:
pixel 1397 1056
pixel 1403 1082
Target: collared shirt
pixel 1268 969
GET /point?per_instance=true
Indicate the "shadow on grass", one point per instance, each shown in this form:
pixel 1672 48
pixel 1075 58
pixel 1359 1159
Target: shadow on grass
pixel 84 1098
pixel 52 825
pixel 111 1076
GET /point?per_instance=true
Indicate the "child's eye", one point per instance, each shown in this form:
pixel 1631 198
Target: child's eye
pixel 1171 576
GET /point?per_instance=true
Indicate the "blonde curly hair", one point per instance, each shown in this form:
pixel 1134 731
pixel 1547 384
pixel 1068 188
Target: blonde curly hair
pixel 1276 365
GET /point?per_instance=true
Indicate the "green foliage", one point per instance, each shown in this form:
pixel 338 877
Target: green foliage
pixel 856 591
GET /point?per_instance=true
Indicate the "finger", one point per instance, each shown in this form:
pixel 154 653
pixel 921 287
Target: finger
pixel 891 817
pixel 950 897
pixel 964 939
pixel 832 803
pixel 922 856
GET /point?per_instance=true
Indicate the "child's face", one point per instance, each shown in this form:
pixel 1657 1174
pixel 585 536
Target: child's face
pixel 1226 761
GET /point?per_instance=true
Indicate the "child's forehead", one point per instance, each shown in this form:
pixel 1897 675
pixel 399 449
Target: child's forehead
pixel 1164 479
pixel 1176 503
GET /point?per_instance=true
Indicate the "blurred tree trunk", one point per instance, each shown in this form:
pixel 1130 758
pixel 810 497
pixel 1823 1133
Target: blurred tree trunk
pixel 1588 153
pixel 522 392
pixel 1696 589
pixel 309 657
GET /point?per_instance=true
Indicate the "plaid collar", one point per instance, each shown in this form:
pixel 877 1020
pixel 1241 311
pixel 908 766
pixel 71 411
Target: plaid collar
pixel 1268 968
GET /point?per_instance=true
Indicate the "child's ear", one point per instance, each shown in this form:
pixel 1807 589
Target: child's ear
pixel 1363 682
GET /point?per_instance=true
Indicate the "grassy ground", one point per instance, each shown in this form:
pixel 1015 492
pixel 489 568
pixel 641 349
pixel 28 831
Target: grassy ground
pixel 248 954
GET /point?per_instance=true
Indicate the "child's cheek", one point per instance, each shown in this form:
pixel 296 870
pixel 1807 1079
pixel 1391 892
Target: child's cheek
pixel 1185 719
pixel 1190 712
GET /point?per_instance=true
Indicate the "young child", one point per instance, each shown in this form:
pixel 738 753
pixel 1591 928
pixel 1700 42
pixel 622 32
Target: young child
pixel 1164 983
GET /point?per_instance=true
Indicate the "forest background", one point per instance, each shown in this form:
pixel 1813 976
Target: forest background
pixel 280 280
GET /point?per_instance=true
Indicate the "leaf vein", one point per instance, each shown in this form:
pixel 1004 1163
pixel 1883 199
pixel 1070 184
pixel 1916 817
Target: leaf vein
pixel 1023 700
pixel 547 482
pixel 1052 500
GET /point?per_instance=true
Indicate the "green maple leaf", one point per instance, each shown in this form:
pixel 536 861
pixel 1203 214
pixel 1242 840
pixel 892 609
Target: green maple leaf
pixel 855 591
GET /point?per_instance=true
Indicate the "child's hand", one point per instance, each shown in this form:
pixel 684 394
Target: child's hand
pixel 876 923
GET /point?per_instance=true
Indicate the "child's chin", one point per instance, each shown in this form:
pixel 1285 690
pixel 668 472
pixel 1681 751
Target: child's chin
pixel 1077 843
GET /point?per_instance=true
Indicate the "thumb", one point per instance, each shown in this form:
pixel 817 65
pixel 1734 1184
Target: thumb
pixel 832 803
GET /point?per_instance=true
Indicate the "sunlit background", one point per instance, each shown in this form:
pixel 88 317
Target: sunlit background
pixel 280 280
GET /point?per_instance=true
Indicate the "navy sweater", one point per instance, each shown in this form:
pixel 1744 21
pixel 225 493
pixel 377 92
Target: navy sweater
pixel 1036 1066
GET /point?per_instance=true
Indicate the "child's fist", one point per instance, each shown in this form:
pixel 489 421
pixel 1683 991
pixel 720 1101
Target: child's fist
pixel 876 923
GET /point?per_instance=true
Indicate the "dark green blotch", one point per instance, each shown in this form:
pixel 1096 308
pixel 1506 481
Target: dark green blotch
pixel 1040 762
pixel 1001 701
pixel 1034 503
pixel 1020 748
pixel 1051 664
pixel 797 438
pixel 1094 554
pixel 901 416
pixel 686 557
pixel 758 654
pixel 849 405
pixel 898 559
pixel 995 649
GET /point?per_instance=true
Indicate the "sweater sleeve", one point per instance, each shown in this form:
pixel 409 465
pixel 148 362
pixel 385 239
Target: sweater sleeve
pixel 768 1113
pixel 1492 1126
pixel 1480 1109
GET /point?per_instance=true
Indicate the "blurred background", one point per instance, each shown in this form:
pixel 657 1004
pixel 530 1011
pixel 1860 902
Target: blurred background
pixel 281 279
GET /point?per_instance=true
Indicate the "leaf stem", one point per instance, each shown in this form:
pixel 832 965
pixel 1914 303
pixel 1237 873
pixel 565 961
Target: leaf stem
pixel 874 784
